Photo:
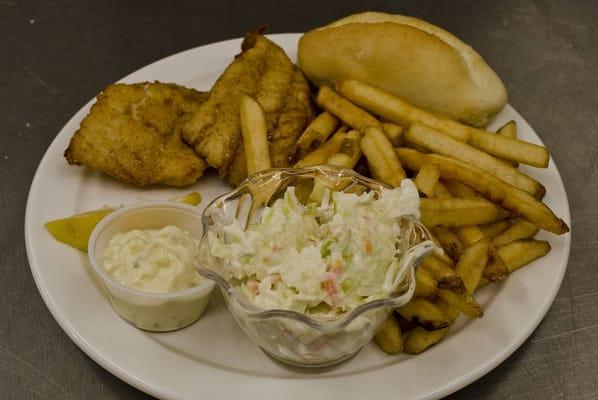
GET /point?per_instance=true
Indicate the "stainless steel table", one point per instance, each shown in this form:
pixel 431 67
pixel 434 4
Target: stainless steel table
pixel 56 55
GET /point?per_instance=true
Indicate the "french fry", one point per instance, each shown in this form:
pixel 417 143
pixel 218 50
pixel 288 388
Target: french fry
pixel 442 272
pixel 441 191
pixel 509 130
pixel 255 136
pixel 472 263
pixel 396 110
pixel 347 157
pixel 510 149
pixel 394 133
pixel 346 111
pixel 468 235
pixel 462 300
pixel 440 143
pixel 322 153
pixel 449 310
pixel 439 251
pixel 522 252
pixel 494 229
pixel 496 269
pixel 425 284
pixel 317 133
pixel 459 212
pixel 423 313
pixel 401 112
pixel 519 230
pixel 389 336
pixel 470 269
pixel 492 188
pixel 458 189
pixel 419 339
pixel 426 179
pixel 382 159
pixel 449 242
pixel 351 147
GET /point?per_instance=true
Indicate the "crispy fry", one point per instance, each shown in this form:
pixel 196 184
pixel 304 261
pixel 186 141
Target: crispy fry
pixel 441 192
pixel 322 153
pixel 351 147
pixel 398 111
pixel 425 284
pixel 440 143
pixel 346 111
pixel 317 133
pixel 255 136
pixel 509 197
pixel 496 270
pixel 426 179
pixel 519 230
pixel 494 229
pixel 419 339
pixel 462 300
pixel 458 189
pixel 389 336
pixel 510 149
pixel 472 263
pixel 393 132
pixel 509 130
pixel 519 253
pixel 347 157
pixel 382 159
pixel 442 272
pixel 423 313
pixel 468 235
pixel 449 310
pixel 439 252
pixel 449 242
pixel 522 252
pixel 459 212
pixel 401 112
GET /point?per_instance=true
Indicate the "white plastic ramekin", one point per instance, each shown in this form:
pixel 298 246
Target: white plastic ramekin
pixel 150 311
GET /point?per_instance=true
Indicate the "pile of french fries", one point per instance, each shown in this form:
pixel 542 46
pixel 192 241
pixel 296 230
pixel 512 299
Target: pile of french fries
pixel 481 210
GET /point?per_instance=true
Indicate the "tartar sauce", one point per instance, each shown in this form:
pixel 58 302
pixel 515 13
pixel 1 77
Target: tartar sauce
pixel 153 260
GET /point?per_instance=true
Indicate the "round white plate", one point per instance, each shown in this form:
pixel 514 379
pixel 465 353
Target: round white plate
pixel 213 358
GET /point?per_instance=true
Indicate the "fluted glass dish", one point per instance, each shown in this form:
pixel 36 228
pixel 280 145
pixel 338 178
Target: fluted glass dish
pixel 292 337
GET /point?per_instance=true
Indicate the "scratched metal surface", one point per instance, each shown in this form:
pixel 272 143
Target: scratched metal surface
pixel 55 55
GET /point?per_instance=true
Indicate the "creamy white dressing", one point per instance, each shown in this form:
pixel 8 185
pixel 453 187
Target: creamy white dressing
pixel 153 260
pixel 319 258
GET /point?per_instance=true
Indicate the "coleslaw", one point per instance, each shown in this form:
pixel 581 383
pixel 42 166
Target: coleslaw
pixel 319 258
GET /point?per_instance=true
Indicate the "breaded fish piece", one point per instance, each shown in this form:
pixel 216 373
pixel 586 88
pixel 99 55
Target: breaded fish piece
pixel 262 71
pixel 132 133
pixel 285 128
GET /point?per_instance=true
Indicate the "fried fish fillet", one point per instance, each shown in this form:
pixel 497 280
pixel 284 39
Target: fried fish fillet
pixel 264 72
pixel 285 128
pixel 133 134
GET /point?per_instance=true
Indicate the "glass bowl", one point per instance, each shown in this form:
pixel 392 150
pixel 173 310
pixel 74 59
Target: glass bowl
pixel 157 312
pixel 296 338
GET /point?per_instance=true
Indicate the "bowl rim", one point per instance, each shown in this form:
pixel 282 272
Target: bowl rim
pixel 94 259
pixel 324 325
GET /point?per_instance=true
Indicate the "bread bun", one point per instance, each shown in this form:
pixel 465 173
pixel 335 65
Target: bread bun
pixel 415 60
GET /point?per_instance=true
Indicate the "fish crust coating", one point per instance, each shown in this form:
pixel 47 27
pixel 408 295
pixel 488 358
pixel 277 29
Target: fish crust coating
pixel 133 133
pixel 264 72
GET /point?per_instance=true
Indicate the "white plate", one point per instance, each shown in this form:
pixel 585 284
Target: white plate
pixel 213 358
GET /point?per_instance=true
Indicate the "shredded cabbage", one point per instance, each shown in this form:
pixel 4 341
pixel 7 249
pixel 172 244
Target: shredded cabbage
pixel 318 258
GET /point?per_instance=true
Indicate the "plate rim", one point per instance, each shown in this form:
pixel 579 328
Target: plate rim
pixel 158 390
